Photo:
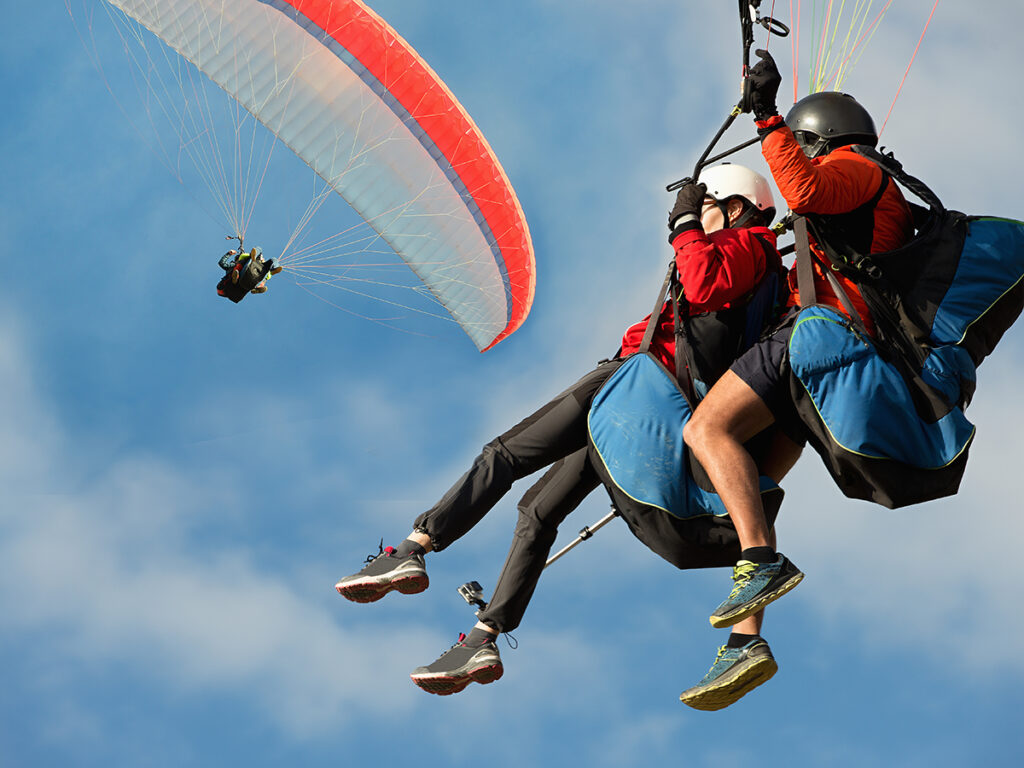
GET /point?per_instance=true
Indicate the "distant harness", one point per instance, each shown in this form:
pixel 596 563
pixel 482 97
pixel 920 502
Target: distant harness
pixel 249 272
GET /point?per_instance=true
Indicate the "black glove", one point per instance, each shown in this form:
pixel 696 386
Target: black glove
pixel 689 201
pixel 763 80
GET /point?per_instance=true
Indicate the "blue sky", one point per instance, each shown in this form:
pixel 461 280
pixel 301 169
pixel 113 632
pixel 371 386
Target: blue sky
pixel 184 480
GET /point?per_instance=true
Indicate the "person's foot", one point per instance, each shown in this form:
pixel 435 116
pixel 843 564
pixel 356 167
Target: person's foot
pixel 735 673
pixel 383 573
pixel 459 666
pixel 755 585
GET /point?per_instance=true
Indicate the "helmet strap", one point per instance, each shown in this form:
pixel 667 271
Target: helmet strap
pixel 746 216
pixel 748 211
pixel 723 206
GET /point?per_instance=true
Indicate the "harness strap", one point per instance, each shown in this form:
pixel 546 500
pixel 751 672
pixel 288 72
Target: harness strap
pixel 652 321
pixel 846 238
pixel 892 167
pixel 683 350
pixel 805 276
pixel 844 299
pixel 685 362
pixel 804 264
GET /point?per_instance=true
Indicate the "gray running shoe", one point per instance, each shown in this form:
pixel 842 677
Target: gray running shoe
pixel 755 585
pixel 384 573
pixel 459 666
pixel 735 673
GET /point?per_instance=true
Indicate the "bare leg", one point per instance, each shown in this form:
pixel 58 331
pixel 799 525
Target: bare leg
pixel 418 537
pixel 781 457
pixel 750 625
pixel 728 416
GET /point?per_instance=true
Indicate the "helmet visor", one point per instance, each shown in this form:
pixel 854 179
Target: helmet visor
pixel 811 143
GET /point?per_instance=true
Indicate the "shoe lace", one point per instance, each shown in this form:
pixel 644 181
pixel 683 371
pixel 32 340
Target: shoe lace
pixel 383 551
pixel 742 572
pixel 718 657
pixel 457 643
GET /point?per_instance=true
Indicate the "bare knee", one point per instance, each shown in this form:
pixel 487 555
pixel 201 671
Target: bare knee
pixel 691 431
pixel 698 431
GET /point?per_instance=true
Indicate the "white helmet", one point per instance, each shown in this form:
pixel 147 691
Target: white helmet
pixel 726 181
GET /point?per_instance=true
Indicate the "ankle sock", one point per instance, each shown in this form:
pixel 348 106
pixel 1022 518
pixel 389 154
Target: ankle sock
pixel 738 639
pixel 409 547
pixel 478 636
pixel 758 554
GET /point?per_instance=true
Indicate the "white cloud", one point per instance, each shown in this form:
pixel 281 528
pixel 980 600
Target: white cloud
pixel 115 574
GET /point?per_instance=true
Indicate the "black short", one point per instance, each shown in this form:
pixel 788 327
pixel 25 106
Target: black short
pixel 765 369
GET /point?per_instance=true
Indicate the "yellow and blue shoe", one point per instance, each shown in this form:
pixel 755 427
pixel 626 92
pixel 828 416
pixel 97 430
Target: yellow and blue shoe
pixel 735 673
pixel 754 586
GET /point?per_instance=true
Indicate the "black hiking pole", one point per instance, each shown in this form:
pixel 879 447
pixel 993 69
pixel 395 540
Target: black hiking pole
pixel 473 593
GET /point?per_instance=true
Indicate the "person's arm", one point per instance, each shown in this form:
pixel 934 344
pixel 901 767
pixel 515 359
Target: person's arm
pixel 227 261
pixel 828 185
pixel 715 269
pixel 838 183
pixel 719 268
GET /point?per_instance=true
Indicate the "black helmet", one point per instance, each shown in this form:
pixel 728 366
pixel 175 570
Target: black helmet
pixel 826 120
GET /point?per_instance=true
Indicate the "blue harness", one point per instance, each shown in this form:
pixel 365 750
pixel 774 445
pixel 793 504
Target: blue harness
pixel 636 427
pixel 887 414
pixel 636 420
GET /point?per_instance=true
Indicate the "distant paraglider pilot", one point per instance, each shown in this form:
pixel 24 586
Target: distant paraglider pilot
pixel 245 273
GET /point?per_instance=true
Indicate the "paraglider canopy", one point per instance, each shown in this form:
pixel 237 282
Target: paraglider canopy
pixel 356 103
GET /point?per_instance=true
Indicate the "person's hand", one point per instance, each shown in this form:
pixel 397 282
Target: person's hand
pixel 764 81
pixel 689 201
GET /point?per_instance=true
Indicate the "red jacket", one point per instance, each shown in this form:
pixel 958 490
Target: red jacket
pixel 839 182
pixel 715 271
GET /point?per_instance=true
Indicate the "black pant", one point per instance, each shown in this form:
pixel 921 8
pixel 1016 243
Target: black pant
pixel 541 511
pixel 554 432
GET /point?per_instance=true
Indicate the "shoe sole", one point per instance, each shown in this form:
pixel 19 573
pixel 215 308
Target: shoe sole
pixel 446 685
pixel 737 615
pixel 722 693
pixel 372 591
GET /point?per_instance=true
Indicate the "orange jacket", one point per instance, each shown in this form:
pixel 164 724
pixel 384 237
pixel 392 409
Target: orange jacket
pixel 839 182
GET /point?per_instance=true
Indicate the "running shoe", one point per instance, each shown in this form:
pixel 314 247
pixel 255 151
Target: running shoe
pixel 459 666
pixel 754 586
pixel 383 573
pixel 735 673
